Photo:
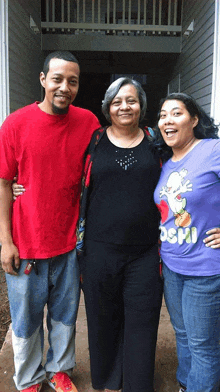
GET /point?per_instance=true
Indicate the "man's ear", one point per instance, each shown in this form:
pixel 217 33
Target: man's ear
pixel 42 79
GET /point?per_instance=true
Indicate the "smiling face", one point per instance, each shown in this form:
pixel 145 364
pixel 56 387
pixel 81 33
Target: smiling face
pixel 61 85
pixel 176 124
pixel 125 107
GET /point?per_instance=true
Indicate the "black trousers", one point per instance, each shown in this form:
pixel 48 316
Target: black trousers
pixel 123 293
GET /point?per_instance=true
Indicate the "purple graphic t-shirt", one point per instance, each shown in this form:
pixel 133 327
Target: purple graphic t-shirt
pixel 188 197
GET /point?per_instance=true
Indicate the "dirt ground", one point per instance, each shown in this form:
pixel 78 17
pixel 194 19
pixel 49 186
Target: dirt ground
pixel 5 318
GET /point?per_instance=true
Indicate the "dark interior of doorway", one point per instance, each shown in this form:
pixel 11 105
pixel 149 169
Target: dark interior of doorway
pixel 91 93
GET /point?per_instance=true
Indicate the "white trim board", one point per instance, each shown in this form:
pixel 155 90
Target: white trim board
pixel 215 102
pixel 4 62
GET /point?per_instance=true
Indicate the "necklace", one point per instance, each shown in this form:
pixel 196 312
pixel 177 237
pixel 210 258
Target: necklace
pixel 131 143
pixel 138 134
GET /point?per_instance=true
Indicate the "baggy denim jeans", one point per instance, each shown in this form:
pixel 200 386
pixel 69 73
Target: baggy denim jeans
pixel 57 285
pixel 193 303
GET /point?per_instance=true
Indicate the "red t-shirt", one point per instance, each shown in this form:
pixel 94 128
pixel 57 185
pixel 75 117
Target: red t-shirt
pixel 47 153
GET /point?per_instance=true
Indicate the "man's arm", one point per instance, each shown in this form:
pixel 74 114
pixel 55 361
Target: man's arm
pixel 9 252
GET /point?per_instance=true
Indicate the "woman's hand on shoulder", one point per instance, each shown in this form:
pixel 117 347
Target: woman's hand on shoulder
pixel 213 239
pixel 17 189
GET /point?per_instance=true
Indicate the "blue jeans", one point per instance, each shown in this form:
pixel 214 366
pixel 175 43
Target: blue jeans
pixel 193 303
pixel 57 286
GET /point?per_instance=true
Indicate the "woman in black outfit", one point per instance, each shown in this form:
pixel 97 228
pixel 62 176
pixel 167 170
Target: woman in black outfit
pixel 120 262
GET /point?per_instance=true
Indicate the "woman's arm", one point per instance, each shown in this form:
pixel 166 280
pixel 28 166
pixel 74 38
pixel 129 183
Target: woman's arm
pixel 17 189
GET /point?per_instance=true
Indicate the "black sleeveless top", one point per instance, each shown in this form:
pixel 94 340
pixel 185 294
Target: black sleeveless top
pixel 121 209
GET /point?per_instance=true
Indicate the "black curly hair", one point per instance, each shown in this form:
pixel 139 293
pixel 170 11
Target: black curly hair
pixel 205 129
pixel 59 54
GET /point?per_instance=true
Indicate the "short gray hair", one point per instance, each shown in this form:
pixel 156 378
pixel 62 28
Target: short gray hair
pixel 113 90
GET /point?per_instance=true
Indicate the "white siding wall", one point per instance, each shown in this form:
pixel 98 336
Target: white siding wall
pixel 195 63
pixel 4 77
pixel 25 56
pixel 215 105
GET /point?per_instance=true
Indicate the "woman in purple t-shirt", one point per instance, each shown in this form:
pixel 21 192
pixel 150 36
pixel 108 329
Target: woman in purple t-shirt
pixel 187 196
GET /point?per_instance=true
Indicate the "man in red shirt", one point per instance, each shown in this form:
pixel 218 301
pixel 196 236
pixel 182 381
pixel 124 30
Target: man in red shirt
pixel 43 144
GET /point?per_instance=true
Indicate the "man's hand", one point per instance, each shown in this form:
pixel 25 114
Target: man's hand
pixel 10 259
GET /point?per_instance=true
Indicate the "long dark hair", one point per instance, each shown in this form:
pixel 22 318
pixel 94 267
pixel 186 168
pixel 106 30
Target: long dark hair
pixel 205 129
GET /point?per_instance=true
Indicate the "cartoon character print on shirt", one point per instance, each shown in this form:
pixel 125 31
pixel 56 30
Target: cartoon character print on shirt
pixel 173 191
pixel 180 233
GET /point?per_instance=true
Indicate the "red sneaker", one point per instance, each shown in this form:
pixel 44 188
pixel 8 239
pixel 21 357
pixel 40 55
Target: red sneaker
pixel 61 382
pixel 33 388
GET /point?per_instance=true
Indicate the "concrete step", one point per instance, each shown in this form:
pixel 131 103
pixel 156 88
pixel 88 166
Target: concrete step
pixel 165 369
